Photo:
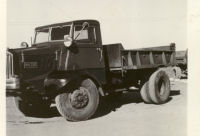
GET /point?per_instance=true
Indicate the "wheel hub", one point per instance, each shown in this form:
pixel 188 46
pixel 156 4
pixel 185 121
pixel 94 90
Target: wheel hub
pixel 79 98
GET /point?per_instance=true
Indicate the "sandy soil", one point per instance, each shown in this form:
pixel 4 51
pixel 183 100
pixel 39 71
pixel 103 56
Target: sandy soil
pixel 127 116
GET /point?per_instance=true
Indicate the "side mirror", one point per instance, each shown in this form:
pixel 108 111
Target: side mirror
pixel 67 40
pixel 85 25
pixel 24 45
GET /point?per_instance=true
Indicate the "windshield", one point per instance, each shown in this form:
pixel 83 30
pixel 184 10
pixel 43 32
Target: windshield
pixel 57 33
pixel 42 36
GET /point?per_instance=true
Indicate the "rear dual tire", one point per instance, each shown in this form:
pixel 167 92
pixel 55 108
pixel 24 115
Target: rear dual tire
pixel 157 89
pixel 144 92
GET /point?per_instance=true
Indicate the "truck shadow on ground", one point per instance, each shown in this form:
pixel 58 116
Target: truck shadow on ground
pixel 50 113
pixel 110 103
pixel 53 112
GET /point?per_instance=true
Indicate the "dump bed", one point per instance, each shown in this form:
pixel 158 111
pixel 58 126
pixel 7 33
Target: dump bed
pixel 119 58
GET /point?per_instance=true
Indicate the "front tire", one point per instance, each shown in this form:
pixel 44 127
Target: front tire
pixel 80 104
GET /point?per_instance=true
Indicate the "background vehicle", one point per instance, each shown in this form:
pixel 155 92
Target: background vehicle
pixel 67 64
pixel 182 60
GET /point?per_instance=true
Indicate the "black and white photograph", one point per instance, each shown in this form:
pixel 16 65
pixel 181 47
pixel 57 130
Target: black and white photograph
pixel 96 68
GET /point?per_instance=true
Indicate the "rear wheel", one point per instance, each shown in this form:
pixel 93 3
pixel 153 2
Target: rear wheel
pixel 144 92
pixel 159 87
pixel 80 104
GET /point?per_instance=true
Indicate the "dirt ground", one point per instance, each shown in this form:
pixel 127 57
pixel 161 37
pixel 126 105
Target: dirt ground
pixel 127 116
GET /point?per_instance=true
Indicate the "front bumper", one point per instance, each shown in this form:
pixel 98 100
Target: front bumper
pixel 16 88
pixel 12 83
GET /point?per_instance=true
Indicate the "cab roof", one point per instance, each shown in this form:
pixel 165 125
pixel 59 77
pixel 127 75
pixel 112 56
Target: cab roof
pixel 76 22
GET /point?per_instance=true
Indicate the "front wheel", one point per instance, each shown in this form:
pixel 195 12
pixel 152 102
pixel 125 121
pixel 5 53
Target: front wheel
pixel 80 104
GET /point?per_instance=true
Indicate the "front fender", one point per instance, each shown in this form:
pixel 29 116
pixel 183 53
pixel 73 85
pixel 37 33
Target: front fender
pixel 59 79
pixel 60 82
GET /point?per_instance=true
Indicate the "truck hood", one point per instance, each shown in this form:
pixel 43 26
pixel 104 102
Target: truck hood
pixel 36 62
pixel 51 46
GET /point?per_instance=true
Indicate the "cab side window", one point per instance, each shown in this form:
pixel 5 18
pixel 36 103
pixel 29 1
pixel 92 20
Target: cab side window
pixel 86 36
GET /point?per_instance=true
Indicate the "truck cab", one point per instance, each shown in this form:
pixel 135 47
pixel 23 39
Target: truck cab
pixel 71 46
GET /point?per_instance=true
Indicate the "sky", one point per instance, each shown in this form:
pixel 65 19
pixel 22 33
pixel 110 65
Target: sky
pixel 134 23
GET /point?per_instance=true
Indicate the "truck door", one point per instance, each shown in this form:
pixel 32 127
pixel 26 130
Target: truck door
pixel 86 54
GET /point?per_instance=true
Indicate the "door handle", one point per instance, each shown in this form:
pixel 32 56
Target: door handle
pixel 101 53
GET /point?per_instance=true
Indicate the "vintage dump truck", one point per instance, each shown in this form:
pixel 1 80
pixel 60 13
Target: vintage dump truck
pixel 68 65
